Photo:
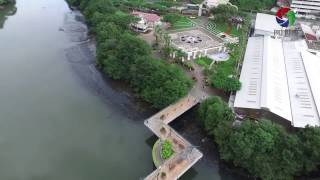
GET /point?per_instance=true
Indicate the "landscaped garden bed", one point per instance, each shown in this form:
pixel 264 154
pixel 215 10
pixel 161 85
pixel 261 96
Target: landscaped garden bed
pixel 178 21
pixel 227 28
pixel 161 151
pixel 166 149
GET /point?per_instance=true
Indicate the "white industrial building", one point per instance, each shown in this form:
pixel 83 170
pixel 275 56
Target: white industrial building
pixel 281 77
pixel 266 25
pixel 306 7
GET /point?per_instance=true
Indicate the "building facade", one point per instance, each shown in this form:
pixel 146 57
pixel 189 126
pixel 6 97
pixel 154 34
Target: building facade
pixel 147 21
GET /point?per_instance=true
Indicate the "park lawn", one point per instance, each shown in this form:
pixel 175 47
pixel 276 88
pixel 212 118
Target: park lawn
pixel 223 27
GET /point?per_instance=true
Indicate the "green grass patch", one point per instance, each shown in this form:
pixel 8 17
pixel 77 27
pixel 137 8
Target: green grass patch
pixel 223 27
pixel 227 67
pixel 178 21
pixel 183 22
pixel 204 62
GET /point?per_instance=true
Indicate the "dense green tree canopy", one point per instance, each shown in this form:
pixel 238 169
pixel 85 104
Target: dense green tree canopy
pixel 310 144
pixel 265 149
pixel 212 112
pixel 3 2
pixel 122 55
pixel 223 12
pixel 253 4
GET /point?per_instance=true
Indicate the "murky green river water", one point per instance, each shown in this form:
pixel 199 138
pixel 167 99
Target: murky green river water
pixel 59 120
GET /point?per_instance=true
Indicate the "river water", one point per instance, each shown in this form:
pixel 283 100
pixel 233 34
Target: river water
pixel 60 120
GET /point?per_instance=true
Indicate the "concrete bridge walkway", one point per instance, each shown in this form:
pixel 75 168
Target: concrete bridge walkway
pixel 186 155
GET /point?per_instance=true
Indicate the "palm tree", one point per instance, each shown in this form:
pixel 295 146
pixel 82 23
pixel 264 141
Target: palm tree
pixel 167 40
pixel 157 33
pixel 167 45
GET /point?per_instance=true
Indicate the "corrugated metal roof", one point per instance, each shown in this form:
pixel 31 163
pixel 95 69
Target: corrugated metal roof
pixel 283 78
pixel 149 17
pixel 249 96
pixel 266 22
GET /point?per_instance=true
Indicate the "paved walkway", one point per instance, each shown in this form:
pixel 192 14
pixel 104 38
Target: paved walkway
pixel 185 155
pixel 200 89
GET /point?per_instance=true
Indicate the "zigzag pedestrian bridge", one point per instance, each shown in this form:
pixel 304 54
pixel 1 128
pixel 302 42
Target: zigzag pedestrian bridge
pixel 185 154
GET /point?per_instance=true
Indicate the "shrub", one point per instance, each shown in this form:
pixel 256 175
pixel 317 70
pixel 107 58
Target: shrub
pixel 166 149
pixel 227 83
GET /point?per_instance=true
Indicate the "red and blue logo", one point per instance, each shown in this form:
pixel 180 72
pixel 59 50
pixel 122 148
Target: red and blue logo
pixel 285 17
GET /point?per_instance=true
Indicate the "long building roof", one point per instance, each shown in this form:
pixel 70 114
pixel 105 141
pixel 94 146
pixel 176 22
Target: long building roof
pixel 306 5
pixel 282 77
pixel 266 22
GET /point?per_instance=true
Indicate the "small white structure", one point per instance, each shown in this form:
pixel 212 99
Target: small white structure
pixel 310 35
pixel 215 3
pixel 312 38
pixel 283 78
pixel 141 26
pixel 147 21
pixel 266 25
